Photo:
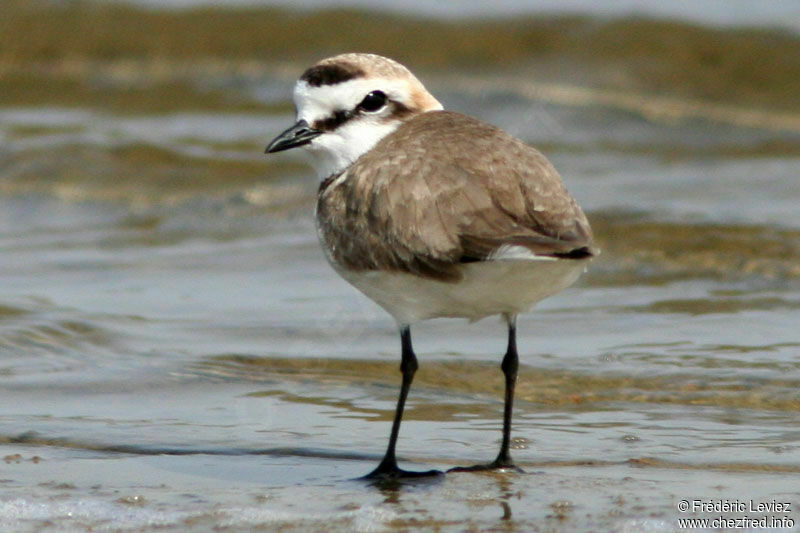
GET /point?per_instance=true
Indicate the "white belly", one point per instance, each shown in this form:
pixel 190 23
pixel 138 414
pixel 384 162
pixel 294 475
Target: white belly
pixel 504 286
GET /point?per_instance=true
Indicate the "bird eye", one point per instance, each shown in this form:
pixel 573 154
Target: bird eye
pixel 373 101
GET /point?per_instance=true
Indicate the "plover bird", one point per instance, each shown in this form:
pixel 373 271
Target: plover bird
pixel 432 213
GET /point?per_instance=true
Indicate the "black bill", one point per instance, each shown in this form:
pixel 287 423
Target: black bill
pixel 298 135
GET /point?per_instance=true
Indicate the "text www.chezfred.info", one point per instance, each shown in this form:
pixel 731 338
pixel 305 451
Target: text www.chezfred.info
pixel 753 514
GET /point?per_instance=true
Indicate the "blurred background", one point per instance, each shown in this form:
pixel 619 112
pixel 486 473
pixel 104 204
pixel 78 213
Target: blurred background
pixel 169 326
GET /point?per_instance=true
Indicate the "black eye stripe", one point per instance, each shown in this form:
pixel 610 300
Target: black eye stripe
pixel 371 103
pixel 331 123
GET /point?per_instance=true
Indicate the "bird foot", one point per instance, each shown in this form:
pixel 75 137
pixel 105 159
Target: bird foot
pixel 500 466
pixel 391 472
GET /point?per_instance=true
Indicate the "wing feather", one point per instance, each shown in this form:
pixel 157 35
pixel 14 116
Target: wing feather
pixel 444 189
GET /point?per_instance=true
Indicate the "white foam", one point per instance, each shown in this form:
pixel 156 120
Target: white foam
pixel 80 514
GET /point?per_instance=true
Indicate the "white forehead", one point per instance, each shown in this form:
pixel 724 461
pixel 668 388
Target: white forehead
pixel 317 102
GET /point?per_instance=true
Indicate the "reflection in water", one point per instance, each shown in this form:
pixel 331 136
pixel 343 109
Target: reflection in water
pixel 491 488
pixel 506 510
pixel 505 485
pixel 392 488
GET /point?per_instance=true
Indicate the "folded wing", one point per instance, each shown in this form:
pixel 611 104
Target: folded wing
pixel 459 190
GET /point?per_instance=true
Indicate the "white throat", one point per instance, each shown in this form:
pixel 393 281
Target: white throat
pixel 331 153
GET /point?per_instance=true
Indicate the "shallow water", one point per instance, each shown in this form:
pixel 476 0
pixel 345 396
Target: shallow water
pixel 175 354
pixel 780 13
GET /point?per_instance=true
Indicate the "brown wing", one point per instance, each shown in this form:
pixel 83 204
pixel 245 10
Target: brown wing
pixel 445 189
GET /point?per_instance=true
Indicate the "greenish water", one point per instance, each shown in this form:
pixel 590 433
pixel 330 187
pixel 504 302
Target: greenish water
pixel 176 354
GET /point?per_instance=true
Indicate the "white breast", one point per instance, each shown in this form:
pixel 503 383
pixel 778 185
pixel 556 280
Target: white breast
pixel 506 286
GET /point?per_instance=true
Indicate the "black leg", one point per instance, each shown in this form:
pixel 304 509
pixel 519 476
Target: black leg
pixel 510 366
pixel 388 469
